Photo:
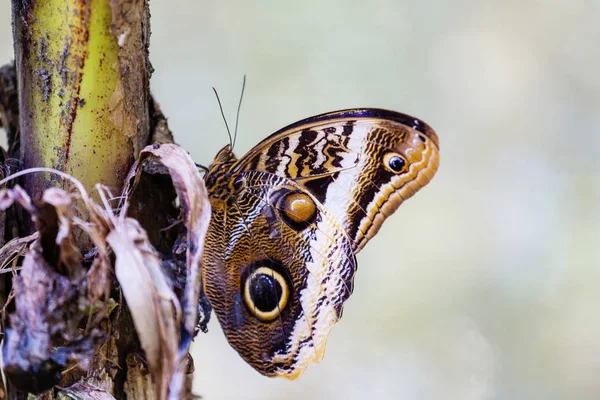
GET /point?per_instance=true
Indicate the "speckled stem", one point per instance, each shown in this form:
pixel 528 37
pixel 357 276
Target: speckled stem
pixel 83 76
pixel 83 82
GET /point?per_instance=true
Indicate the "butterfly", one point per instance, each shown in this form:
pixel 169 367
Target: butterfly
pixel 288 219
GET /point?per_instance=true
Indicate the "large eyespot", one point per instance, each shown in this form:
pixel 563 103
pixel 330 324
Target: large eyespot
pixel 297 209
pixel 394 162
pixel 266 293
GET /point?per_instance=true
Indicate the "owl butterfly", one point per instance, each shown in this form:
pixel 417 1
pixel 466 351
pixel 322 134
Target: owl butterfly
pixel 288 219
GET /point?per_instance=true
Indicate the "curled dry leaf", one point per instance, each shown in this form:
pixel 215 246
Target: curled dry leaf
pixel 43 334
pixel 47 323
pixel 165 193
pixel 53 216
pixel 156 263
pixel 151 301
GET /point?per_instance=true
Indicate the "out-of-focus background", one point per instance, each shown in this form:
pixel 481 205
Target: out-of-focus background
pixel 485 285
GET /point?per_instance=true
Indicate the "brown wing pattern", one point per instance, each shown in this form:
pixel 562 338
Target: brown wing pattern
pixel 316 264
pixel 342 163
pixel 288 219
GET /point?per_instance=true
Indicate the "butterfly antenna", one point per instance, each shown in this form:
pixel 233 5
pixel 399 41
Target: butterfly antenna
pixel 237 116
pixel 224 119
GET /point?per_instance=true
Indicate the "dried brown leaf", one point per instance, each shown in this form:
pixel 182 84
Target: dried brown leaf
pixel 51 293
pixel 43 333
pixel 154 307
pixel 53 216
pixel 194 213
pixel 194 209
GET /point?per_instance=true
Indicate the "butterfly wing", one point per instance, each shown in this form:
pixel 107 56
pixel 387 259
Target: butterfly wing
pixel 346 158
pixel 277 290
pixel 288 219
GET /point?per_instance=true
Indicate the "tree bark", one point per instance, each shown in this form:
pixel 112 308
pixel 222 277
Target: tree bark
pixel 78 101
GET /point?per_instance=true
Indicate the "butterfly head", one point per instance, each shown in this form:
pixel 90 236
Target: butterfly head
pixel 224 156
pixel 218 174
pixel 222 160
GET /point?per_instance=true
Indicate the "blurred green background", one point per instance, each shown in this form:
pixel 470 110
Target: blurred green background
pixel 485 285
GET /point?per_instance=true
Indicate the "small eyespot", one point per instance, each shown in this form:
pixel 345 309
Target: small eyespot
pixel 266 293
pixel 422 138
pixel 329 129
pixel 298 210
pixel 394 162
